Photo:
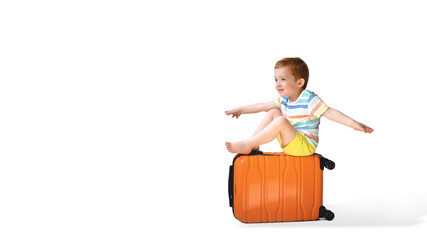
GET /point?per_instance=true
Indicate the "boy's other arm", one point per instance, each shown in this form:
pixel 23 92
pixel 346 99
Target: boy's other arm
pixel 253 108
pixel 339 117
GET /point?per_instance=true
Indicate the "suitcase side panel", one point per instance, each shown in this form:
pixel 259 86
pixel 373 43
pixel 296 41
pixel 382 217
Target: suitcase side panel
pixel 273 184
pixel 240 180
pixel 277 188
pixel 254 190
pixel 309 194
pixel 290 189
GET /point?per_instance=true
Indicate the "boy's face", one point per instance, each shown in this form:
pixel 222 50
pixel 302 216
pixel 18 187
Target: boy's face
pixel 286 84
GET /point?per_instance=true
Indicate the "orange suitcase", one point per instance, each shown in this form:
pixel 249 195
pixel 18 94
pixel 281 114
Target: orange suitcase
pixel 275 187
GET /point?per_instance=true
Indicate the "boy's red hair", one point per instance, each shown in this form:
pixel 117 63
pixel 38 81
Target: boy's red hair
pixel 297 67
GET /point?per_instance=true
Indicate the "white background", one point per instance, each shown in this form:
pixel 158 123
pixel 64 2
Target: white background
pixel 112 121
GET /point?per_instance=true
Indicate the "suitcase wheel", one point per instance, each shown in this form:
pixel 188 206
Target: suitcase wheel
pixel 329 164
pixel 324 162
pixel 325 213
pixel 329 215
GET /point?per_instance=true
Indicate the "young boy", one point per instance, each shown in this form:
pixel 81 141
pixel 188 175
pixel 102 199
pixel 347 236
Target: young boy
pixel 294 117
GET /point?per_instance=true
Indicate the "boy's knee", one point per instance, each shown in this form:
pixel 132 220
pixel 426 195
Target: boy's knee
pixel 282 121
pixel 274 112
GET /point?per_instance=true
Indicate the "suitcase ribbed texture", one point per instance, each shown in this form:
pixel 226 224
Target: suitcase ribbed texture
pixel 277 188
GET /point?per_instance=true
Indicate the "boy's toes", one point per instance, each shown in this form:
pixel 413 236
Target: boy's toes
pixel 228 146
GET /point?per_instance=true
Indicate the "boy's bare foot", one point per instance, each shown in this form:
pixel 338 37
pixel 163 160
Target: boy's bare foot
pixel 238 147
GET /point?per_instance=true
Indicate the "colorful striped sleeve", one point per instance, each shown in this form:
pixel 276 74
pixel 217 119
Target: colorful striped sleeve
pixel 316 106
pixel 277 102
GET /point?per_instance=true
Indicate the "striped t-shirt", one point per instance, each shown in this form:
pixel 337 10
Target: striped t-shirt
pixel 304 114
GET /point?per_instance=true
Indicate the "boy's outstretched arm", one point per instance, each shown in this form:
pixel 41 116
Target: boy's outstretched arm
pixel 339 117
pixel 253 108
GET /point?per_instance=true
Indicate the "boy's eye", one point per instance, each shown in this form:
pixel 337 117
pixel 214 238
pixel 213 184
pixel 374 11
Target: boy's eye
pixel 283 79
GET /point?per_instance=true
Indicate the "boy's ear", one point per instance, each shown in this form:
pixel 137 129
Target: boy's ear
pixel 300 82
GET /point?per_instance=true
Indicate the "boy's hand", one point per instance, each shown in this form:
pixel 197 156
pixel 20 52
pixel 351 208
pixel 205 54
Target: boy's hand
pixel 362 127
pixel 235 112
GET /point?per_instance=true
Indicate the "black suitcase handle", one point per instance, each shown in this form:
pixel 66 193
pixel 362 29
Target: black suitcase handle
pixel 230 185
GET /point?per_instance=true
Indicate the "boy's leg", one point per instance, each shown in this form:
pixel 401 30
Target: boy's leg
pixel 268 118
pixel 278 125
